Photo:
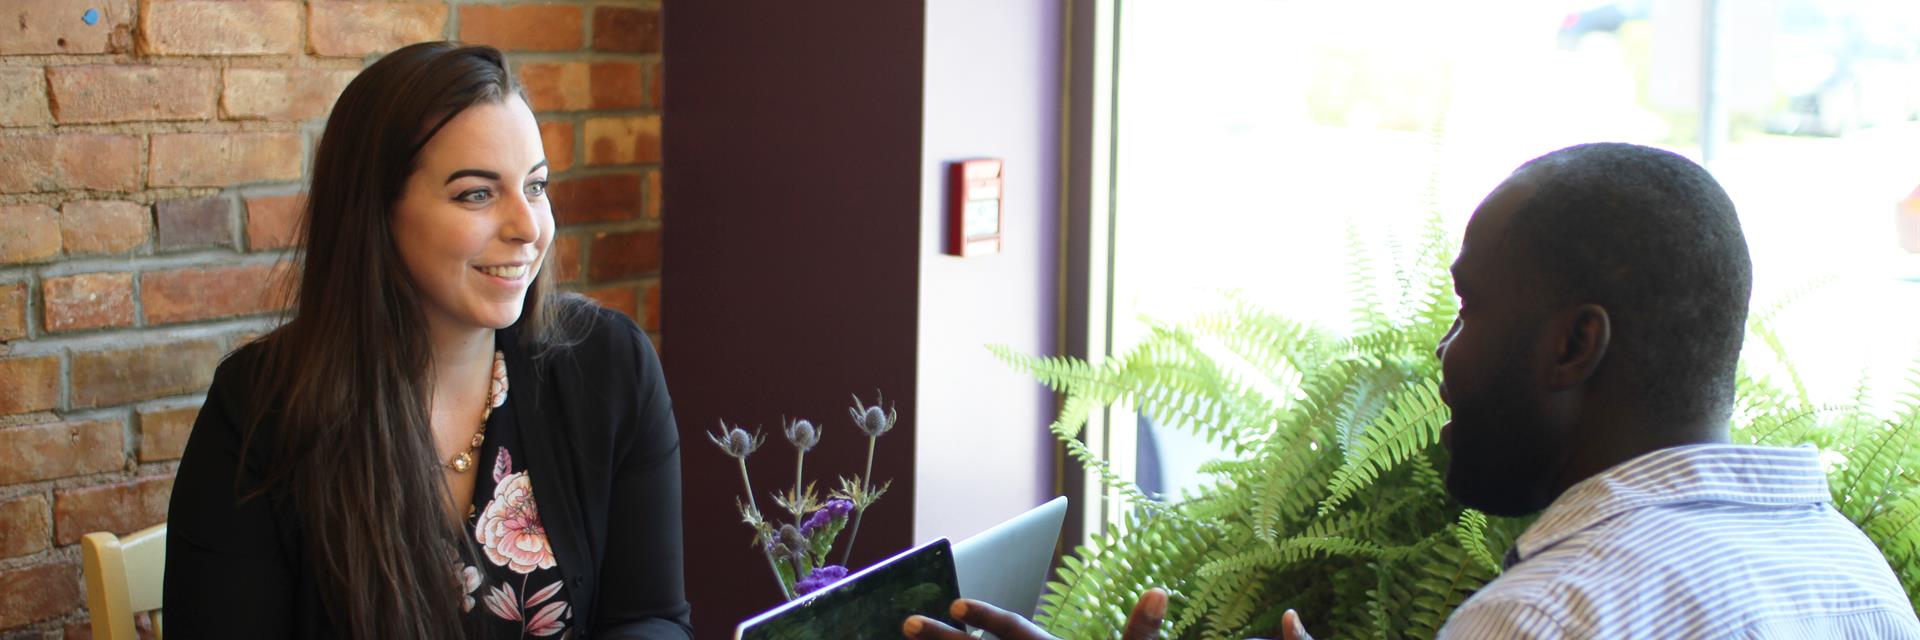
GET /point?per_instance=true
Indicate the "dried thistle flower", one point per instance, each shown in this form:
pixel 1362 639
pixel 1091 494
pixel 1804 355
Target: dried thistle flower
pixel 736 441
pixel 875 423
pixel 802 434
pixel 791 536
pixel 872 420
pixel 738 445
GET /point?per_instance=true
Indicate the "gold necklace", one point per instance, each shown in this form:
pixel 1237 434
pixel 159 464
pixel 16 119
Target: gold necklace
pixel 496 395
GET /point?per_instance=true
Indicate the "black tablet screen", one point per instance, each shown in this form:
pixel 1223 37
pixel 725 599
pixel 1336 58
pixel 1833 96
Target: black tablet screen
pixel 872 605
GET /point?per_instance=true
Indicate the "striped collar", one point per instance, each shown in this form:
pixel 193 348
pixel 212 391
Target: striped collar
pixel 1738 474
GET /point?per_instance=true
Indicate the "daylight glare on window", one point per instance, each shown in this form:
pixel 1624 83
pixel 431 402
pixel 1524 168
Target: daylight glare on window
pixel 1259 142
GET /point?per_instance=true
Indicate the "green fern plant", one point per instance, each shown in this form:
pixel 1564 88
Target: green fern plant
pixel 1330 499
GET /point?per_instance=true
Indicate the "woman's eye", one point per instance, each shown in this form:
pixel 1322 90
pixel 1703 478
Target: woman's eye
pixel 536 188
pixel 474 196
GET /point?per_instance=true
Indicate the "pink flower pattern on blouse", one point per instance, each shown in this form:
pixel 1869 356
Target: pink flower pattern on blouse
pixel 510 535
pixel 509 529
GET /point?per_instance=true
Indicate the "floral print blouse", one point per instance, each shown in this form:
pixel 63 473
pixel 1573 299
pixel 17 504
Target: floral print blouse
pixel 514 589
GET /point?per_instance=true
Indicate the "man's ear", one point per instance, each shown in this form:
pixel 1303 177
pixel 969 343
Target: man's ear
pixel 1583 334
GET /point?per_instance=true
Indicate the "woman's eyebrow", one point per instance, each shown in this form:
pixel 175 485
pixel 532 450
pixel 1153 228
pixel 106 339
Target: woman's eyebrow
pixel 536 166
pixel 473 172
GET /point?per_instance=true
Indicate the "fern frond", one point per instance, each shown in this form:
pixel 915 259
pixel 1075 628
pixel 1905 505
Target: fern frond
pixel 1410 425
pixel 1061 374
pixel 1772 339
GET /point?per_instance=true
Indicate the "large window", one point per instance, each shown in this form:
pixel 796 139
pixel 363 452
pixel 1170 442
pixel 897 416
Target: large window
pixel 1251 139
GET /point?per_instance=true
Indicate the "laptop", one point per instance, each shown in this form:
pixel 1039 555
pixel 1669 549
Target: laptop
pixel 1007 565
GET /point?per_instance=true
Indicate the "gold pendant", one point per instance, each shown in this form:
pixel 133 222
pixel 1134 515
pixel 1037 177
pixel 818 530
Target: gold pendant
pixel 463 462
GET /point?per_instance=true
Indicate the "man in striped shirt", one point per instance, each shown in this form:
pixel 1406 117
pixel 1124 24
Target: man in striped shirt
pixel 1603 301
pixel 1590 371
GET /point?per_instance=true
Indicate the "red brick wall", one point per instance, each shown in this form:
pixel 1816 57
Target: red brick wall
pixel 151 157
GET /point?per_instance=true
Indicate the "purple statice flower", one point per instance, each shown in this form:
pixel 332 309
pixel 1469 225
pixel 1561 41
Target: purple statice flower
pixel 835 509
pixel 815 522
pixel 819 577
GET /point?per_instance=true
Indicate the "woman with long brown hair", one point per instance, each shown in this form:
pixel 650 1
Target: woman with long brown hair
pixel 436 443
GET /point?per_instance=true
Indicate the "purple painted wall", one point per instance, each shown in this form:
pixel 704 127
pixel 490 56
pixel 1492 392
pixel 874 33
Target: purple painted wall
pixel 791 260
pixel 992 89
pixel 807 143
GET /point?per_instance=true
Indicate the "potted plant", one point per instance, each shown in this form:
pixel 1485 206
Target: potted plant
pixel 1330 498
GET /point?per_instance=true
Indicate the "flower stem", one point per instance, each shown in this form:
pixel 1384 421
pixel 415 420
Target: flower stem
pixel 799 507
pixel 748 480
pixel 744 479
pixel 785 592
pixel 860 509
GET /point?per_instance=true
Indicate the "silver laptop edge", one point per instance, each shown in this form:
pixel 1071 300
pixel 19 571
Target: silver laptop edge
pixel 1006 566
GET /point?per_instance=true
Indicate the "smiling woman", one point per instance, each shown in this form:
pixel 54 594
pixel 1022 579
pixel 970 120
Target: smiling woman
pixel 363 471
pixel 474 220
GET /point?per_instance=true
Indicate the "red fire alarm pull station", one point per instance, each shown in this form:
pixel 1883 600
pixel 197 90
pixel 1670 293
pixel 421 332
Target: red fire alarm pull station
pixel 973 207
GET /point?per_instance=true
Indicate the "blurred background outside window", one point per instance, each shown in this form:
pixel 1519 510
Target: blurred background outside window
pixel 1253 135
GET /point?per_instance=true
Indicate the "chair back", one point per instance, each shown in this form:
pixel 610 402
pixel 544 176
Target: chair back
pixel 124 577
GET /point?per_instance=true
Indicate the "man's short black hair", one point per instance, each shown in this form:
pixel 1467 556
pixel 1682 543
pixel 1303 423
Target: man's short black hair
pixel 1650 236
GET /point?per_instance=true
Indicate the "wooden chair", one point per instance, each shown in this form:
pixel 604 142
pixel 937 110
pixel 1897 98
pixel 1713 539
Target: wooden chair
pixel 124 577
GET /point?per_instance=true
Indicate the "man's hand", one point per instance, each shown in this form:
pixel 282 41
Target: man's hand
pixel 1144 624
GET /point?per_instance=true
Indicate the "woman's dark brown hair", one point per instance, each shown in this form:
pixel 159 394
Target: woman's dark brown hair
pixel 347 376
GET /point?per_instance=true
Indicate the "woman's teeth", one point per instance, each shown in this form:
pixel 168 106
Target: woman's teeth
pixel 509 273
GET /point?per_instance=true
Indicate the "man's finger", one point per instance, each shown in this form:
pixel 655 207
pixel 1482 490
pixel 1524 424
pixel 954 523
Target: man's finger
pixel 1148 613
pixel 925 628
pixel 994 620
pixel 1291 628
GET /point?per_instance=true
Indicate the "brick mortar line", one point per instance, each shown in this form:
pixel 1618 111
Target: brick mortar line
pixel 584 170
pixel 609 226
pixel 34 330
pixel 66 381
pixel 451 30
pixel 129 470
pixel 608 169
pixel 43 61
pixel 169 403
pixel 151 127
pixel 219 330
pixel 586 29
pixel 53 554
pixel 139 309
pixel 129 433
pixel 12 492
pixel 585 54
pixel 635 281
pixel 82 333
pixel 145 175
pixel 147 197
pixel 583 271
pixel 159 262
pixel 237 214
pixel 28 419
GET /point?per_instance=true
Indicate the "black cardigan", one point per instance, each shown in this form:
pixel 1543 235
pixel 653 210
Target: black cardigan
pixel 605 457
